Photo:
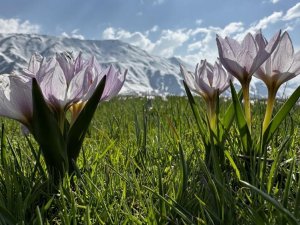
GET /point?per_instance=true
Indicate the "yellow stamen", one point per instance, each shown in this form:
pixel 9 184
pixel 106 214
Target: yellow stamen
pixel 75 109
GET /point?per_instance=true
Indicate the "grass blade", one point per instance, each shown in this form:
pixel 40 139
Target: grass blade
pixel 47 132
pixel 281 115
pixel 232 163
pixel 196 113
pixel 229 114
pixel 241 120
pixel 79 128
pixel 289 216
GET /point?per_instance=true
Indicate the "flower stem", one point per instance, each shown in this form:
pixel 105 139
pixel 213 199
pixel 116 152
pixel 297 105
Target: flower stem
pixel 269 109
pixel 212 115
pixel 247 106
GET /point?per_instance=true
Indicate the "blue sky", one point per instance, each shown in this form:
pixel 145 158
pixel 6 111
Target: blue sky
pixel 183 28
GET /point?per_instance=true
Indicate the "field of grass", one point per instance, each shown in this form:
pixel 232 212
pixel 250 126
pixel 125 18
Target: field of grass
pixel 144 162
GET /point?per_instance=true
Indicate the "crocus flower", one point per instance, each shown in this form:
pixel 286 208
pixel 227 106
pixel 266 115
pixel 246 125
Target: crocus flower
pixel 208 81
pixel 280 67
pixel 40 96
pixel 67 83
pixel 64 83
pixel 243 59
pixel 60 82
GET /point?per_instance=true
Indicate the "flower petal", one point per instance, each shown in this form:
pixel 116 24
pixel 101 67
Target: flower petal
pixel 249 46
pixel 233 48
pixel 282 58
pixel 283 77
pixel 188 78
pixel 114 83
pixel 54 87
pixel 264 52
pixel 273 43
pixel 34 65
pixel 78 87
pixel 207 76
pixel 16 98
pixel 228 53
pixel 295 68
pixel 235 69
pixel 249 57
pixel 66 63
pixel 79 64
pixel 222 78
pixel 207 80
pixel 46 67
pixel 260 40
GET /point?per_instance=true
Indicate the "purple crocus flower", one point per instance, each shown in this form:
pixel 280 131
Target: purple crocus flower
pixel 208 79
pixel 63 84
pixel 65 81
pixel 114 83
pixel 243 59
pixel 281 66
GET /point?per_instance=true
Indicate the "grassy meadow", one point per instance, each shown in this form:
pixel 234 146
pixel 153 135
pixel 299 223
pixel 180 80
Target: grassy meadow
pixel 143 162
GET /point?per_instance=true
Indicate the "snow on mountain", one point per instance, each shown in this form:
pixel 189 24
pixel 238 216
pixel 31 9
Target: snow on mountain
pixel 147 74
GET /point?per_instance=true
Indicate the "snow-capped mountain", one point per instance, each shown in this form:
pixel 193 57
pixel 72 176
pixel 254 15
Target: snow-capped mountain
pixel 147 74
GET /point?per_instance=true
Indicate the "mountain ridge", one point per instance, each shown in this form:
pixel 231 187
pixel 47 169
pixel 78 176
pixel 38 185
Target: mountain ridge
pixel 147 74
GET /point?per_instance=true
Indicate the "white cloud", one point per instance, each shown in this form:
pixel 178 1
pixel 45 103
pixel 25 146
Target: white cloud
pixel 198 43
pixel 165 45
pixel 266 21
pixel 292 24
pixel 199 22
pixel 154 28
pixel 135 38
pixel 229 29
pixel 206 36
pixel 233 28
pixel 274 1
pixel 109 33
pixel 74 34
pixel 204 44
pixel 291 17
pixel 195 46
pixel 263 23
pixel 16 26
pixel 158 2
pixel 169 41
pixel 293 12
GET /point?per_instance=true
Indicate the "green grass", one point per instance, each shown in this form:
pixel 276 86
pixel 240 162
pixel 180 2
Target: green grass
pixel 143 162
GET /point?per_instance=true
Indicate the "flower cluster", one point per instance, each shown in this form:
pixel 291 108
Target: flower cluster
pixel 42 94
pixel 273 62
